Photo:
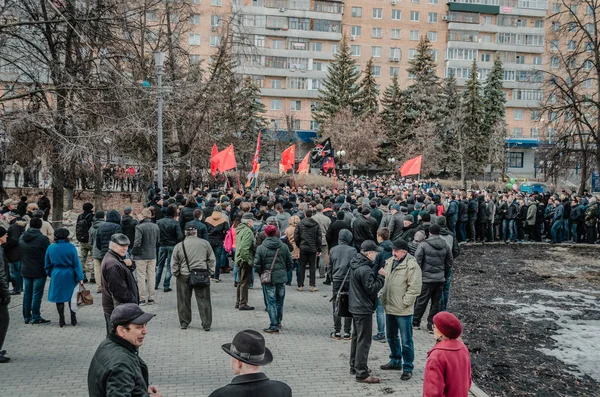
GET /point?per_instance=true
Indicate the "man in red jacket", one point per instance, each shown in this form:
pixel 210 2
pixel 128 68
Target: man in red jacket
pixel 448 368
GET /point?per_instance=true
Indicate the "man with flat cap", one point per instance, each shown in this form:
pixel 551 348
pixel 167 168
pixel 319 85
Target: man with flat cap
pixel 248 353
pixel 118 284
pixel 116 368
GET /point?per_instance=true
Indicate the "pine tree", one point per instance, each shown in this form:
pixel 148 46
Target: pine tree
pixel 252 110
pixel 368 97
pixel 494 120
pixel 392 115
pixel 474 146
pixel 450 128
pixel 340 89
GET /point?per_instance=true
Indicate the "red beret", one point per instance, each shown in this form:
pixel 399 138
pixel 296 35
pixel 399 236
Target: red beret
pixel 270 230
pixel 448 324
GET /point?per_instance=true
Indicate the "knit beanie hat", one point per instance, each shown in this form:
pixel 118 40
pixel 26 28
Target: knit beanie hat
pixel 448 324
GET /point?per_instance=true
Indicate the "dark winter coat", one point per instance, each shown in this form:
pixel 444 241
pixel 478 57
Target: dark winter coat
pixel 362 229
pixel 333 232
pixel 4 272
pixel 106 230
pixel 187 215
pixel 472 209
pixel 383 256
pixel 200 227
pixel 158 215
pixel 577 214
pixel 512 211
pixel 567 208
pixel 33 245
pixel 482 215
pixel 22 208
pixel 308 235
pixel 340 257
pixel 118 284
pixel 44 205
pixel 377 215
pixel 364 286
pixel 408 233
pixel 11 247
pixel 463 208
pixel 396 225
pixel 96 252
pixel 452 212
pixel 145 241
pixel 117 370
pixel 217 227
pixel 264 258
pixel 253 385
pixel 64 269
pixel 128 224
pixel 435 259
pixel 450 239
pixel 89 218
pixel 170 232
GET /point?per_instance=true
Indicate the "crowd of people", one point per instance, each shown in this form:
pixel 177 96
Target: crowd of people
pixel 385 247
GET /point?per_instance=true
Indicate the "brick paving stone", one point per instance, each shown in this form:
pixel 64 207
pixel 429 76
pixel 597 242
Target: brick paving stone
pixel 53 361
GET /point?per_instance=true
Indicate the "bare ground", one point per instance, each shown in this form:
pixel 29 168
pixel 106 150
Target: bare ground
pixel 531 315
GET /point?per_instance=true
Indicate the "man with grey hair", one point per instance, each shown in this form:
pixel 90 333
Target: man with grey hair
pixel 118 284
pixel 192 253
pixel 147 235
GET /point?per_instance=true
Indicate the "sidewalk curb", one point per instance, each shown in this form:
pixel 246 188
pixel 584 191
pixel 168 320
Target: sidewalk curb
pixel 477 392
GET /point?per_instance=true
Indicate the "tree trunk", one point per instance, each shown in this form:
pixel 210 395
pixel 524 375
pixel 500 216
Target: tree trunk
pixel 58 194
pixel 463 176
pixel 70 194
pixel 97 176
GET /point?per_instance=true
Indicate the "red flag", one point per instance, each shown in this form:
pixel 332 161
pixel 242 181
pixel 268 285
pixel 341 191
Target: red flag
pixel 411 167
pixel 227 159
pixel 256 156
pixel 288 157
pixel 214 162
pixel 303 168
pixel 328 164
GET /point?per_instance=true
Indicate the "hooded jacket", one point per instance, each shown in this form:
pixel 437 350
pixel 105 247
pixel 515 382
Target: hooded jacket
pixel 170 232
pixel 283 219
pixel 435 259
pixel 244 244
pixel 33 245
pixel 106 230
pixel 402 286
pixel 289 233
pixel 450 239
pixel 128 224
pixel 340 257
pixel 11 248
pixel 364 286
pixel 384 255
pixel 217 227
pixel 463 214
pixel 96 252
pixel 265 253
pixel 448 370
pixel 187 214
pixel 308 235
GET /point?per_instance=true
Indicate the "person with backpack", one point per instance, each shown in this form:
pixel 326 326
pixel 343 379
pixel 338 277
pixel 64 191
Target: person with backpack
pixel 82 234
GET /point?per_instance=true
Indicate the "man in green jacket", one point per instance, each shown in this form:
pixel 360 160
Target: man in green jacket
pixel 116 368
pixel 244 257
pixel 401 288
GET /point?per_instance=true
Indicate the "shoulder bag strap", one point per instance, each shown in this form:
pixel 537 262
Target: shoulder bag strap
pixel 187 262
pixel 274 259
pixel 343 282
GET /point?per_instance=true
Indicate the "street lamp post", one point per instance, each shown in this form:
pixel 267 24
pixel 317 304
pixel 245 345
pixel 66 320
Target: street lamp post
pixel 340 154
pixel 159 59
pixel 391 161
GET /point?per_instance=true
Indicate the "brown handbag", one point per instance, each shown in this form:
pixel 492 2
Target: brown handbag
pixel 265 277
pixel 84 297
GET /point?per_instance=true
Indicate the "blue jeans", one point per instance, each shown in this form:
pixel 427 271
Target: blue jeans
pixel 446 291
pixel 290 274
pixel 462 228
pixel 274 295
pixel 32 297
pixel 164 261
pixel 380 319
pixel 556 231
pixel 218 251
pixel 566 230
pixel 452 225
pixel 400 355
pixel 574 232
pixel 509 230
pixel 15 274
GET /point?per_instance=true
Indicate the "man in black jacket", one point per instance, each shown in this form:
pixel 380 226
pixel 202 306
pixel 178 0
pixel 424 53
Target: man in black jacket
pixel 106 230
pixel 364 228
pixel 472 208
pixel 463 218
pixel 116 368
pixel 118 284
pixel 308 239
pixel 334 230
pixel 33 245
pixel 248 353
pixel 44 204
pixel 198 224
pixel 170 235
pixel 82 234
pixel 364 286
pixel 4 296
pixel 128 224
pixel 13 253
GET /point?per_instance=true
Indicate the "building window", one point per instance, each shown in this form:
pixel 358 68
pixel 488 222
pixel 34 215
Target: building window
pixel 539 23
pixel 415 16
pixel 534 132
pixel 515 160
pixel 376 70
pixel 259 41
pixel 485 57
pixel 587 65
pixel 195 19
pixel 486 20
pixel 414 35
pixel 395 34
pixel 377 13
pixel 571 45
pixel 377 33
pixel 314 125
pixel 553 45
pixel 277 44
pixel 555 26
pixel 394 70
pixel 485 38
pixel 537 60
pixel 215 41
pixel 396 15
pixel 432 36
pixel 276 84
pixel 215 20
pixel 555 7
pixel 518 114
pixel 395 53
pixel 412 53
pixel 296 106
pixel 376 52
pixel 317 66
pixel 356 30
pixel 536 115
pixel 415 1
pixel 194 39
pixel 217 3
pixel 335 48
pixel 588 83
pixel 520 59
pixel 433 1
pixel 357 12
pixel 433 54
pixel 275 104
pixel 355 50
pixel 317 47
pixel 194 59
pixel 432 17
pixel 197 2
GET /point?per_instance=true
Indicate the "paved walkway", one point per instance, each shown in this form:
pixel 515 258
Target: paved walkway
pixel 52 361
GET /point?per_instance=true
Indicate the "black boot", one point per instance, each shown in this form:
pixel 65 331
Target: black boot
pixel 73 316
pixel 60 307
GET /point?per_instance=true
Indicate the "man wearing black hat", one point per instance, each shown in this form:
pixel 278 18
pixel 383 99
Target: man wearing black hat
pixel 248 353
pixel 116 368
pixel 118 284
pixel 364 286
pixel 400 290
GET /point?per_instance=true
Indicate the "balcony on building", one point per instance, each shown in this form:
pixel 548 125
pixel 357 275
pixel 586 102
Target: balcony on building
pixel 321 9
pixel 494 7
